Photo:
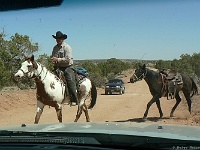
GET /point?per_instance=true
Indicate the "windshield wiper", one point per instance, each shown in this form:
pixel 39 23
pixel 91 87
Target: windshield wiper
pixel 46 137
pixel 22 133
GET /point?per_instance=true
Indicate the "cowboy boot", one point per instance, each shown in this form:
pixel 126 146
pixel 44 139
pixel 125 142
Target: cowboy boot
pixel 71 84
pixel 72 91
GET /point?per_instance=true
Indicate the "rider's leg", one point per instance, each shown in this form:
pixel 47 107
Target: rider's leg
pixel 71 84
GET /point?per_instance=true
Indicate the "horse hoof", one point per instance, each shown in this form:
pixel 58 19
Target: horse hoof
pixel 144 119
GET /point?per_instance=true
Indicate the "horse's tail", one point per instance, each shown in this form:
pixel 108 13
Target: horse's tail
pixel 194 88
pixel 93 96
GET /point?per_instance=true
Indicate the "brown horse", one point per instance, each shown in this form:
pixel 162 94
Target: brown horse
pixel 155 82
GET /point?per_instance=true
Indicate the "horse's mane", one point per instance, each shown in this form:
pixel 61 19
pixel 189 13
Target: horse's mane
pixel 152 71
pixel 51 72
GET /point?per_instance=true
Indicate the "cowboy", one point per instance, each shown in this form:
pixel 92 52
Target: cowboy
pixel 62 58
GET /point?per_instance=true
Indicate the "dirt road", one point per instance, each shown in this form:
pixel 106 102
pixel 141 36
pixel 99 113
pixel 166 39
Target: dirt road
pixel 18 107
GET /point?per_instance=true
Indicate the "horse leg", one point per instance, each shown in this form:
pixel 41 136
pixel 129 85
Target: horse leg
pixel 40 107
pixel 79 112
pixel 58 109
pixel 178 100
pixel 86 113
pixel 189 101
pixel 148 106
pixel 81 107
pixel 159 108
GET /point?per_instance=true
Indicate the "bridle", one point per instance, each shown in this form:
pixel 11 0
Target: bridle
pixel 26 73
pixel 142 76
pixel 30 70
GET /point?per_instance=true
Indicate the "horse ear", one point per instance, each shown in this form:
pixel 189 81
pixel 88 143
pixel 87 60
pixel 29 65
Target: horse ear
pixel 33 62
pixel 144 66
pixel 32 58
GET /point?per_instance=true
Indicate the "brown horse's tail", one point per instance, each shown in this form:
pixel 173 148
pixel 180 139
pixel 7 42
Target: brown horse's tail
pixel 194 88
pixel 93 96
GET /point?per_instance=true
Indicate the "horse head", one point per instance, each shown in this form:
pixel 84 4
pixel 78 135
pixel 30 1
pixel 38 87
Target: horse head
pixel 28 68
pixel 140 73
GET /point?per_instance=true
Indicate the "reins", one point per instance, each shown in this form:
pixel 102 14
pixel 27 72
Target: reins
pixel 40 74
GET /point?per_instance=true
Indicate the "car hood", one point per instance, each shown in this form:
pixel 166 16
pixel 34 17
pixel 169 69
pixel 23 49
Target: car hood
pixel 107 134
pixel 182 132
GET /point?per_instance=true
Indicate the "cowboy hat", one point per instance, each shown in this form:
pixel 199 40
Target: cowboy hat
pixel 59 35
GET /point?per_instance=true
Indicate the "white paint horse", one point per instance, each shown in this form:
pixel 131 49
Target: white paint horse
pixel 51 90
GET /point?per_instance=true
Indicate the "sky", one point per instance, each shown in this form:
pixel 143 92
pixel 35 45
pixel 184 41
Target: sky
pixel 104 29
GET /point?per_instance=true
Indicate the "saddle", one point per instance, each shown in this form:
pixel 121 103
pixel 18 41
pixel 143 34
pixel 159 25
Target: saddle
pixel 79 78
pixel 172 82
